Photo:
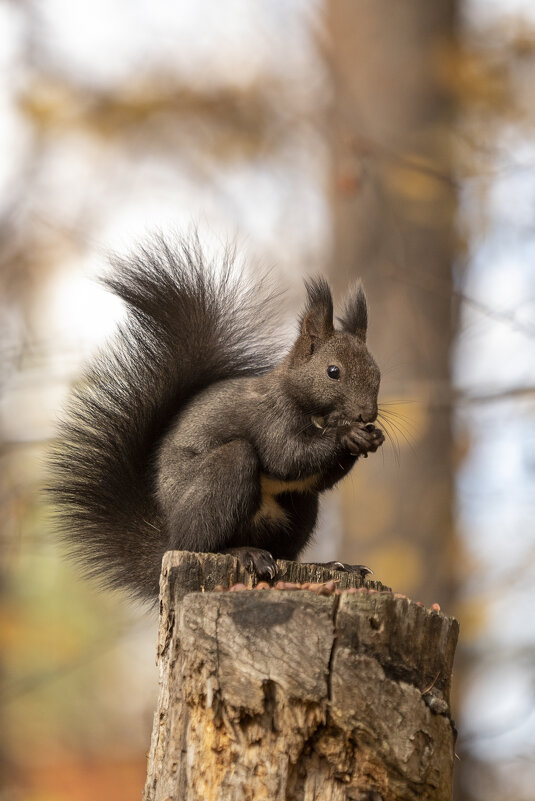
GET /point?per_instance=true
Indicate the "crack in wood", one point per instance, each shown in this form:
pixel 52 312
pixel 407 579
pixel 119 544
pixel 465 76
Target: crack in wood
pixel 294 696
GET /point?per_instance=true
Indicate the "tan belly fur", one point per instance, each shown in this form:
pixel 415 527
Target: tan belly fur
pixel 271 487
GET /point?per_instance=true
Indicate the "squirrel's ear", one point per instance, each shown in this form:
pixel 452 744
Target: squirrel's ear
pixel 317 319
pixel 354 320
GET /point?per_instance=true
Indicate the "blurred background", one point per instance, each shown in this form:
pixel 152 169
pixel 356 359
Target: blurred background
pixel 395 141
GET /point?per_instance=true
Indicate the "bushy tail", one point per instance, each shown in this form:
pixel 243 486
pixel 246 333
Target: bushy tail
pixel 188 325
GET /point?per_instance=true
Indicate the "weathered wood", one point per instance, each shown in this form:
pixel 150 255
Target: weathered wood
pixel 199 572
pixel 297 696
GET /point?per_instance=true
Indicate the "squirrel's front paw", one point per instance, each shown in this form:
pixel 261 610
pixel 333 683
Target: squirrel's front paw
pixel 360 439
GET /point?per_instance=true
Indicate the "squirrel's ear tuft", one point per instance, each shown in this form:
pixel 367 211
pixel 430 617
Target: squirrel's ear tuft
pixel 317 319
pixel 354 320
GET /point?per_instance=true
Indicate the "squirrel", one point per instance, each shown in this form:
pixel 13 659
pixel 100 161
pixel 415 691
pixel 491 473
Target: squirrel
pixel 186 433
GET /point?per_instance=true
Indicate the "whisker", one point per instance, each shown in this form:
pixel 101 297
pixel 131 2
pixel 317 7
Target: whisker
pixel 395 413
pixel 395 431
pixel 391 436
pixel 399 431
pixel 397 402
pixel 408 424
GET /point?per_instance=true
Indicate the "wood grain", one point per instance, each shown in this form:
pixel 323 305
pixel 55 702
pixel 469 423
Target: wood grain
pixel 297 696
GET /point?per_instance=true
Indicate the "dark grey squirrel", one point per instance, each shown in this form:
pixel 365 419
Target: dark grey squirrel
pixel 186 433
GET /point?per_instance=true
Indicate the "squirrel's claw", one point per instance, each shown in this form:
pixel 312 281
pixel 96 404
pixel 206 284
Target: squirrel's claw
pixel 361 440
pixel 257 561
pixel 362 569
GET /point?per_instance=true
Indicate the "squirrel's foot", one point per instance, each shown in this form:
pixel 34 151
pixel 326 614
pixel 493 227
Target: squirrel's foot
pixel 256 561
pixel 361 569
pixel 362 439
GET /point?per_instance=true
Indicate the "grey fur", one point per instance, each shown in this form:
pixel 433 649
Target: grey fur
pixel 184 432
pixel 354 320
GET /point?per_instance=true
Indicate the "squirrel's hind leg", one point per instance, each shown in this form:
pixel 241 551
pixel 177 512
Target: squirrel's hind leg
pixel 207 500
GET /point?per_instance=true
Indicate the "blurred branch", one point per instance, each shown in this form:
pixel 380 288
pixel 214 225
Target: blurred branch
pixel 363 146
pixel 430 283
pixel 249 114
pixel 515 393
pixel 501 317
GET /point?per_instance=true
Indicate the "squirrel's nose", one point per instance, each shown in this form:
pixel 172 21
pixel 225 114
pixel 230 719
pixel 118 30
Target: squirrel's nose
pixel 367 414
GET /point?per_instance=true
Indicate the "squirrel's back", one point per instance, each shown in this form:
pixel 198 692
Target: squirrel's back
pixel 189 324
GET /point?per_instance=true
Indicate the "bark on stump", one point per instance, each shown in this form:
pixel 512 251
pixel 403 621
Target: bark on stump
pixel 297 696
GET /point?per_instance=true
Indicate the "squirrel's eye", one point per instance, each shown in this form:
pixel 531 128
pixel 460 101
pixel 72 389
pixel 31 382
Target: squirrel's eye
pixel 333 371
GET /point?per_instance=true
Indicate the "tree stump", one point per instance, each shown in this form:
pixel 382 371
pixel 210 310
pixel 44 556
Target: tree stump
pixel 302 695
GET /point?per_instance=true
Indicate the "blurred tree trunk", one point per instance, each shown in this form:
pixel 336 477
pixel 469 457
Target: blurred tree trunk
pixel 393 206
